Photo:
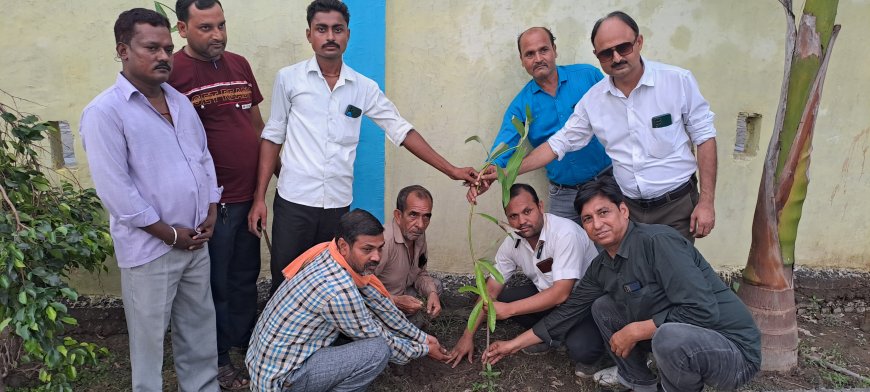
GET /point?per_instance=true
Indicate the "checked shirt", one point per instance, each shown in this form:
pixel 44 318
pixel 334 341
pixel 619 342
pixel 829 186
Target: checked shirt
pixel 308 312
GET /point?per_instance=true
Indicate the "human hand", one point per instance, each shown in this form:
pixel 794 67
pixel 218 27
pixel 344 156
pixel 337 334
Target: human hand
pixel 187 239
pixel 206 229
pixel 433 305
pixel 464 349
pixel 407 304
pixel 498 350
pixel 466 174
pixel 703 219
pixel 257 214
pixel 624 340
pixel 437 352
pixel 483 181
pixel 503 310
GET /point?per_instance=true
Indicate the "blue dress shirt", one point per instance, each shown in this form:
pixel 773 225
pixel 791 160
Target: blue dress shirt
pixel 548 116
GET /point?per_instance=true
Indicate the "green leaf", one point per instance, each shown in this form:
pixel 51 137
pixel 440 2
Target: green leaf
pixel 22 298
pixel 492 270
pixel 480 280
pixel 70 293
pixel 51 313
pixel 520 127
pixel 491 318
pixel 69 320
pixel 5 323
pixel 62 350
pixel 488 217
pixel 498 151
pixel 475 312
pixel 474 138
pixel 469 289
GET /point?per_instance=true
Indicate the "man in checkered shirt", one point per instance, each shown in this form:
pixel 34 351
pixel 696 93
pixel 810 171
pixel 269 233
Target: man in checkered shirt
pixel 327 291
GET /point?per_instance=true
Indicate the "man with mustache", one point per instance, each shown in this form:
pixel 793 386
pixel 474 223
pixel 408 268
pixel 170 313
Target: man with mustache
pixel 551 96
pixel 327 291
pixel 553 252
pixel 650 291
pixel 649 117
pixel 403 267
pixel 317 108
pixel 224 92
pixel 151 167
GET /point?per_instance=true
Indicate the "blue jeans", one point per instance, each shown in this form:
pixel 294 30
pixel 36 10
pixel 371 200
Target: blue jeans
pixel 687 356
pixel 562 202
pixel 349 367
pixel 235 265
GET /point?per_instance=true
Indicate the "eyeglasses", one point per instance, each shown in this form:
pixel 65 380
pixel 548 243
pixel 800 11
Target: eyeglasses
pixel 624 49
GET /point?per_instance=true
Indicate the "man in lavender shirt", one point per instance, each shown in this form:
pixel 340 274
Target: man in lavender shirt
pixel 147 153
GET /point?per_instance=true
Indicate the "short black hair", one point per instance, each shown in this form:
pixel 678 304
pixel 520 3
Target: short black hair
pixel 182 7
pixel 619 15
pixel 549 33
pixel 356 223
pixel 604 186
pixel 517 188
pixel 417 190
pixel 125 26
pixel 326 6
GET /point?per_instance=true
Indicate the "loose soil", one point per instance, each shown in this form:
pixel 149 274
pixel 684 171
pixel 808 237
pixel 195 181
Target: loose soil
pixel 832 334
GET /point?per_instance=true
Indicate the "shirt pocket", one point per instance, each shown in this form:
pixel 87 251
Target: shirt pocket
pixel 661 141
pixel 348 126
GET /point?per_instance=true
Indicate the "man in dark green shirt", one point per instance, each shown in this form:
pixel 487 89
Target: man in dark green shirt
pixel 650 290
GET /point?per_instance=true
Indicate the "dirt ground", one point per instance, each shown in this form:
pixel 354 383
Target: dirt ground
pixel 832 336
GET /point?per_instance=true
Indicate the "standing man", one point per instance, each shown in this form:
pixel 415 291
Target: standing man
pixel 327 291
pixel 403 266
pixel 648 116
pixel 317 108
pixel 152 169
pixel 651 291
pixel 223 91
pixel 551 95
pixel 553 253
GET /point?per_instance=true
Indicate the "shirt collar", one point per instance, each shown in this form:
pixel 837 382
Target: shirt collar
pixel 647 79
pixel 623 247
pixel 563 77
pixel 541 238
pixel 127 89
pixel 346 72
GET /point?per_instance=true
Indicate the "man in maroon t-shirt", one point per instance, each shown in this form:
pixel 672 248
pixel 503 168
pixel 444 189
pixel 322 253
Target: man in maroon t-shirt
pixel 223 90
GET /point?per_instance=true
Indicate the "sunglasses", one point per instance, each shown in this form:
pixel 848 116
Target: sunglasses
pixel 624 49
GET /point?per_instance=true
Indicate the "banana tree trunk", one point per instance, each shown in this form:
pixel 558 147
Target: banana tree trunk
pixel 767 286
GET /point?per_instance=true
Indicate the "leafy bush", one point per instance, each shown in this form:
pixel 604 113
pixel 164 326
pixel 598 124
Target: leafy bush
pixel 47 231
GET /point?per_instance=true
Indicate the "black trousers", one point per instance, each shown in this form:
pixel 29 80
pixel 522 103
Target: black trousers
pixel 583 340
pixel 295 229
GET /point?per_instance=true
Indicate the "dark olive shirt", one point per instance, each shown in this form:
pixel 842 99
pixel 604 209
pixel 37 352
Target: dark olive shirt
pixel 657 274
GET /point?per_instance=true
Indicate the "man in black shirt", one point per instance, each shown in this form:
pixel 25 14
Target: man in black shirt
pixel 650 290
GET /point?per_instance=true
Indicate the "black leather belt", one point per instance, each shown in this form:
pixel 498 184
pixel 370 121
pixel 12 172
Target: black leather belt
pixel 675 194
pixel 608 171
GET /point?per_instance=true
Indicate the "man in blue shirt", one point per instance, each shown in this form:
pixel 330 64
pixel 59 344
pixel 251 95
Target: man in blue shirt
pixel 551 96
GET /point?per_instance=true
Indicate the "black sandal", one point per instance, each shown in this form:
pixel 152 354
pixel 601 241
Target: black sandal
pixel 232 379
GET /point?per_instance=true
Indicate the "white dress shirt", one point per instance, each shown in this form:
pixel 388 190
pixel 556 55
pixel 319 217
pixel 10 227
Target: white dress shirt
pixel 647 162
pixel 319 139
pixel 561 239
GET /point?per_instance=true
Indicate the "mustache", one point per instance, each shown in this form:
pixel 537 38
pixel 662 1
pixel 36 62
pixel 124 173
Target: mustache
pixel 163 65
pixel 623 62
pixel 330 43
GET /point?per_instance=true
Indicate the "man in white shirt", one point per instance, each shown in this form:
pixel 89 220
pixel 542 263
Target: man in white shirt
pixel 553 252
pixel 317 108
pixel 648 116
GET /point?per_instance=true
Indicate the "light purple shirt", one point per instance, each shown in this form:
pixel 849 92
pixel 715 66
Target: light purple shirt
pixel 146 169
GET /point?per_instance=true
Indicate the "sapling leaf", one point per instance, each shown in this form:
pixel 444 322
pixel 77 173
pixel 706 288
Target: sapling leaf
pixel 469 289
pixel 488 217
pixel 475 312
pixel 490 310
pixel 520 127
pixel 498 151
pixel 493 271
pixel 477 139
pixel 479 278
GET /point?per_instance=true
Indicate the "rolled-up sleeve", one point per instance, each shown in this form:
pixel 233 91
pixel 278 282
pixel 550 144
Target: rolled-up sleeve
pixel 696 112
pixel 383 112
pixel 275 130
pixel 106 147
pixel 574 135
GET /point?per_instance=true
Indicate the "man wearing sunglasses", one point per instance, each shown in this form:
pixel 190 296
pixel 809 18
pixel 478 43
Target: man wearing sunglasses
pixel 648 116
pixel 552 94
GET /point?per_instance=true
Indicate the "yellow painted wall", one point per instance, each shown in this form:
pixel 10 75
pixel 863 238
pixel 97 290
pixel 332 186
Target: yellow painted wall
pixel 452 68
pixel 461 59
